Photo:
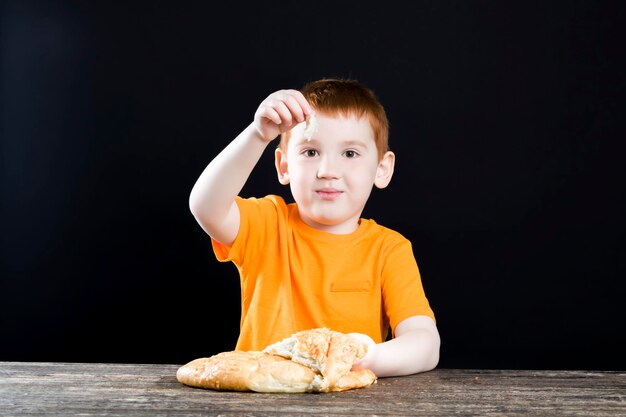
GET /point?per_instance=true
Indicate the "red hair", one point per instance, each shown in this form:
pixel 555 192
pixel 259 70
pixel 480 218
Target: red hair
pixel 345 97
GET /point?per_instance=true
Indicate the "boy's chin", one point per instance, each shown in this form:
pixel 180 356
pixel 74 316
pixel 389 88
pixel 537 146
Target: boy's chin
pixel 333 224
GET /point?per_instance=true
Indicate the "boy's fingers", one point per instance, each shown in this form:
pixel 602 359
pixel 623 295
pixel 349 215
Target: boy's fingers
pixel 295 108
pixel 285 108
pixel 272 115
pixel 362 338
pixel 286 118
pixel 302 101
pixel 268 113
pixel 304 104
pixel 296 100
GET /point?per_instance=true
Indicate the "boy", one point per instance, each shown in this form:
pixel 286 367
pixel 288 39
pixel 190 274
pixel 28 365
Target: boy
pixel 316 262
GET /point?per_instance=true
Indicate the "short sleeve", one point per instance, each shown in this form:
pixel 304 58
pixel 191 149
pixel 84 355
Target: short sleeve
pixel 402 289
pixel 257 221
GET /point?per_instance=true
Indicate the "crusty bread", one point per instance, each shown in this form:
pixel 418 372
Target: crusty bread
pixel 317 360
pixel 246 371
pixel 226 369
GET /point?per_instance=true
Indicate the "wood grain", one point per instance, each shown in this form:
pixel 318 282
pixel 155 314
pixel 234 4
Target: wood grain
pixel 72 389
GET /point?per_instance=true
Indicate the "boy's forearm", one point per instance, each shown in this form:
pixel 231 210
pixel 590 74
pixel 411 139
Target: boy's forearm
pixel 413 352
pixel 415 348
pixel 221 181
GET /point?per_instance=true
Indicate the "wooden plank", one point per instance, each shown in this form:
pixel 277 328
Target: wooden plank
pixel 66 389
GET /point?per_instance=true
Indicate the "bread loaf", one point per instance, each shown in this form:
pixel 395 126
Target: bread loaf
pixel 317 360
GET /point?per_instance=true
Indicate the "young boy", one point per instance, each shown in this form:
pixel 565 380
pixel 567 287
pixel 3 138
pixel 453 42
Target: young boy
pixel 316 262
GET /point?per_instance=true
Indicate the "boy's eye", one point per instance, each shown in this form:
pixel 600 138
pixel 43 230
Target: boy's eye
pixel 351 154
pixel 310 152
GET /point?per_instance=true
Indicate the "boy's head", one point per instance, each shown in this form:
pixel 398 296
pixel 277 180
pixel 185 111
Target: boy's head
pixel 332 172
pixel 345 97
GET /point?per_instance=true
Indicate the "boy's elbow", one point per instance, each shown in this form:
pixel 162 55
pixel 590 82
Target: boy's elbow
pixel 199 213
pixel 433 358
pixel 200 209
pixel 194 204
pixel 432 362
pixel 193 208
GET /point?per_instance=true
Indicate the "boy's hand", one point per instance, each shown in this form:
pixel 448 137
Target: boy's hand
pixel 279 112
pixel 365 362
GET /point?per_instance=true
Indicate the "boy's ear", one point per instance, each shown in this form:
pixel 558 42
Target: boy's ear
pixel 280 160
pixel 384 172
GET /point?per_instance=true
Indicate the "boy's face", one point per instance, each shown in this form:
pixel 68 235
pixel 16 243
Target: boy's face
pixel 331 176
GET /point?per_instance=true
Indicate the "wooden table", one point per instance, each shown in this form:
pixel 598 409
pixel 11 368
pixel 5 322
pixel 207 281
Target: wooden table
pixel 72 389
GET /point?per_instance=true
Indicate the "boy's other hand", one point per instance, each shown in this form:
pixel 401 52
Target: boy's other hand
pixel 365 362
pixel 279 112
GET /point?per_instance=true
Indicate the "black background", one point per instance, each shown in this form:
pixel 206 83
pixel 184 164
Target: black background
pixel 506 120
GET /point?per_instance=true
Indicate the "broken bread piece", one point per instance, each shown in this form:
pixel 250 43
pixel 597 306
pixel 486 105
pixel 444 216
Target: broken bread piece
pixel 328 352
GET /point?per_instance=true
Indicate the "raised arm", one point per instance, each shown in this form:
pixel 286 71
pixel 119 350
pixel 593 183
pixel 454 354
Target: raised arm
pixel 415 348
pixel 212 199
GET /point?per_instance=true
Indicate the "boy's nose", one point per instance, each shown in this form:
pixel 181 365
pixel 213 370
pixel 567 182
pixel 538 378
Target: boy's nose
pixel 327 168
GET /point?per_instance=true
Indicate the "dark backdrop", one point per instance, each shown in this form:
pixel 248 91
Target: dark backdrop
pixel 505 119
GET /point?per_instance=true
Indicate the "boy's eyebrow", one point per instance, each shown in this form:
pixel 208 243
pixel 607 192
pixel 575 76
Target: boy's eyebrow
pixel 354 142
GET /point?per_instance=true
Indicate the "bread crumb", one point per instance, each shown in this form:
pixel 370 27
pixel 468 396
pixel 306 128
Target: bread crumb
pixel 311 127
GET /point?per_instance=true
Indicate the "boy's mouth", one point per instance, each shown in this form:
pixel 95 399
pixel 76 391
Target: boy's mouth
pixel 328 194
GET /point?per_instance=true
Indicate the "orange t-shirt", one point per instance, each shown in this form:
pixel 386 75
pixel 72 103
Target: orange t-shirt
pixel 294 277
